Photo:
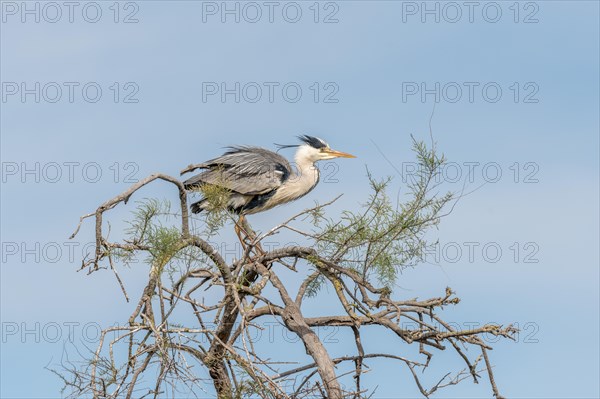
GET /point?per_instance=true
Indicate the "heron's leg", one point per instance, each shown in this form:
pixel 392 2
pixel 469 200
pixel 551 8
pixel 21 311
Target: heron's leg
pixel 259 249
pixel 238 232
pixel 250 235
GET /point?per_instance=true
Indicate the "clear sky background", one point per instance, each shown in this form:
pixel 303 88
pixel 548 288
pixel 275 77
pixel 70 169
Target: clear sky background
pixel 540 134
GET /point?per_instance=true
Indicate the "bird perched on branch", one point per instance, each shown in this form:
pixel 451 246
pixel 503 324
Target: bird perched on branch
pixel 256 179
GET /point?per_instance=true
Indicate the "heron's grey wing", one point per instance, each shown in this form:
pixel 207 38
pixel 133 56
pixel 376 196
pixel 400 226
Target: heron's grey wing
pixel 246 170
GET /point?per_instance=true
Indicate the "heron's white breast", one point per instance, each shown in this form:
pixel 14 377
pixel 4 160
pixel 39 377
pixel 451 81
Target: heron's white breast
pixel 297 185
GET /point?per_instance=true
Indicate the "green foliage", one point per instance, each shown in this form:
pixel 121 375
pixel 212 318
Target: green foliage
pixel 217 196
pixel 378 240
pixel 383 236
pixel 313 287
pixel 164 243
pixel 150 228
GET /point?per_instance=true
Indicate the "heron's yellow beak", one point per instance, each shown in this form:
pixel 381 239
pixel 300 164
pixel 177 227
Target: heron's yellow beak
pixel 339 154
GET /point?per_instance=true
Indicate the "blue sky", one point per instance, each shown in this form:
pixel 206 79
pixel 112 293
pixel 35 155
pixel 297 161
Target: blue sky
pixel 541 134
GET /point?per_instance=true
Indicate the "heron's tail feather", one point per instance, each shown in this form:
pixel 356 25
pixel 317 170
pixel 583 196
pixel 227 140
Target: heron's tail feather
pixel 199 206
pixel 193 182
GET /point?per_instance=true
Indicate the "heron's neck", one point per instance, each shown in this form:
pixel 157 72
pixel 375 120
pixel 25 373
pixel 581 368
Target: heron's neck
pixel 300 183
pixel 307 172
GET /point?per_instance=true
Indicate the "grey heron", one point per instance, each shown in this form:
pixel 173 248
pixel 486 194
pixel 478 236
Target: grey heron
pixel 256 179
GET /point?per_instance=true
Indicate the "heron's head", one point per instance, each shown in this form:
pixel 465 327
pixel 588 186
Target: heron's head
pixel 315 149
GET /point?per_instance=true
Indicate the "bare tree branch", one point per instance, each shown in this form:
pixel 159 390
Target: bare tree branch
pixel 357 255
